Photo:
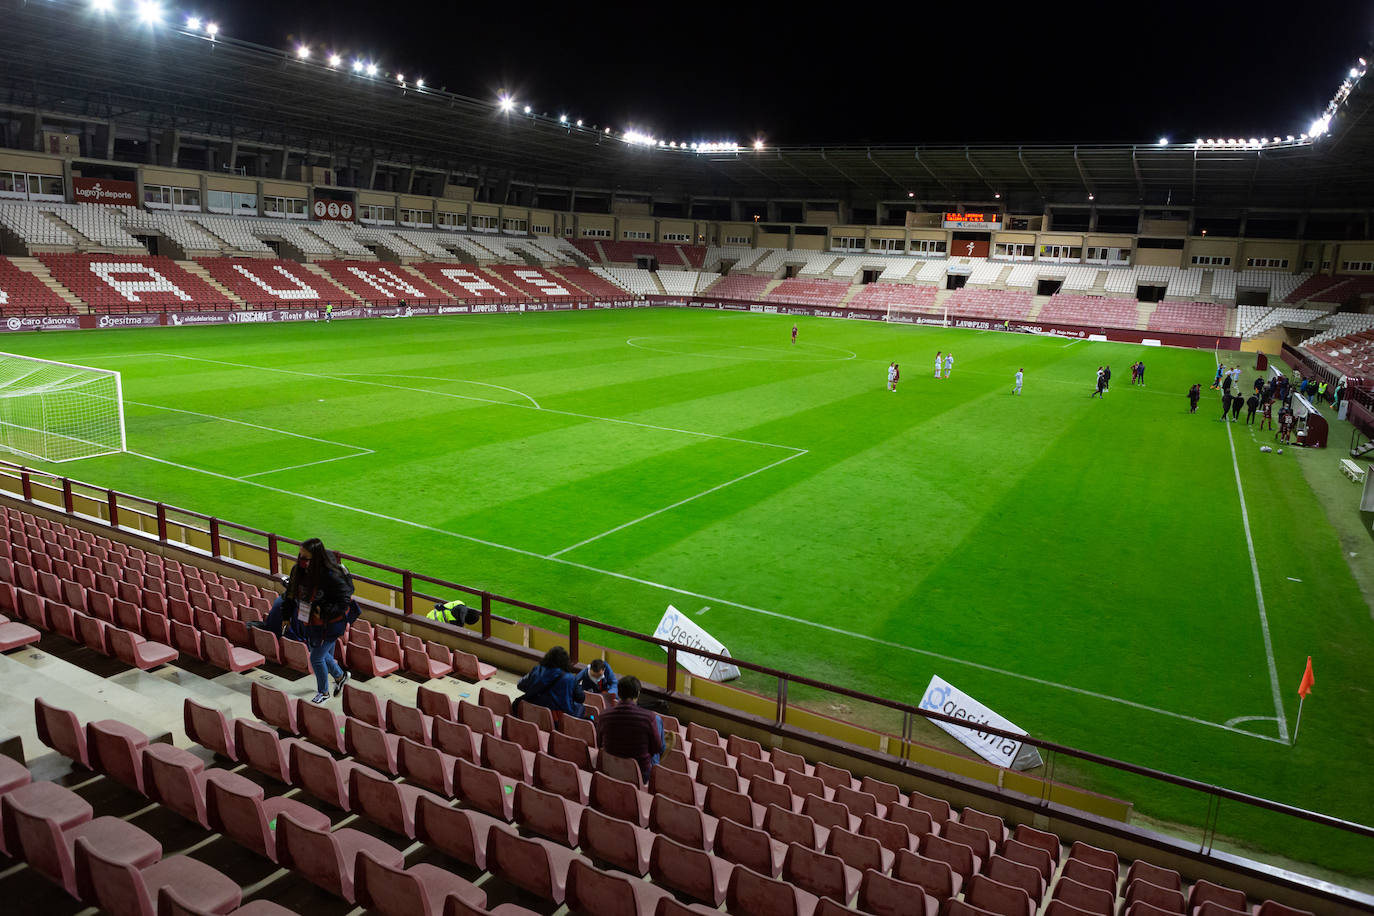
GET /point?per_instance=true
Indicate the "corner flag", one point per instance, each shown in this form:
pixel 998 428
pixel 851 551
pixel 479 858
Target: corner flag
pixel 1303 690
pixel 1307 680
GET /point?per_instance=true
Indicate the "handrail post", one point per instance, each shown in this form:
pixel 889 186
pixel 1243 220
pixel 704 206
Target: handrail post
pixel 112 499
pixel 407 591
pixel 67 494
pixel 162 522
pixel 26 485
pixel 672 669
pixel 782 701
pixel 273 566
pixel 572 640
pixel 214 537
pixel 486 615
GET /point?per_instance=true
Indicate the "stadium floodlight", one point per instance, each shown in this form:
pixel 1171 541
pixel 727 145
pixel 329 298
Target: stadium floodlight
pixel 302 52
pixel 357 66
pixel 579 122
pixel 57 411
pixel 371 69
pixel 1092 196
pixel 211 29
pixel 758 144
pixel 420 83
pixel 335 60
pixel 1320 126
pixel 102 6
pixel 1163 141
pixel 1290 138
pixel 401 78
pixel 529 110
pixel 505 102
pixel 193 23
pixel 149 12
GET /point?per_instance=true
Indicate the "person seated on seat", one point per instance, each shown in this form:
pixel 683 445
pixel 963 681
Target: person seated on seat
pixel 553 684
pixel 599 678
pixel 629 730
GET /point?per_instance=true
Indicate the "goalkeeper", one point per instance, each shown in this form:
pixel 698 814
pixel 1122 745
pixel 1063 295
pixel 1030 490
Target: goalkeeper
pixel 454 612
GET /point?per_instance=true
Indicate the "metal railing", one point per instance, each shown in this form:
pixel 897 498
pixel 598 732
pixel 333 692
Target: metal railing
pixel 234 543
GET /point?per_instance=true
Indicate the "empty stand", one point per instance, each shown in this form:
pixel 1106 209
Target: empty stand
pixel 271 282
pixel 22 293
pixel 124 283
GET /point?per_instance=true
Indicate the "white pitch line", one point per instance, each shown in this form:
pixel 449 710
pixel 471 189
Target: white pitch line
pixel 309 464
pixel 437 378
pixel 270 429
pixel 680 502
pixel 688 593
pixel 466 397
pixel 1259 597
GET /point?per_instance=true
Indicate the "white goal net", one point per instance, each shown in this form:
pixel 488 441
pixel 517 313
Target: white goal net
pixel 57 411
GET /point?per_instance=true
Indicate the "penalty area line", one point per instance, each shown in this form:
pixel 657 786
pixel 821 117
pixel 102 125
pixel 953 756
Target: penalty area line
pixel 992 669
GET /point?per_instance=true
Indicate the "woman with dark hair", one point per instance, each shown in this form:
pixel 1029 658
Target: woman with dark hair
pixel 553 683
pixel 321 592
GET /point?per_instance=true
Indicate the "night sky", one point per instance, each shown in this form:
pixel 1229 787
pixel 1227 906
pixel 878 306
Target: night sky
pixel 798 74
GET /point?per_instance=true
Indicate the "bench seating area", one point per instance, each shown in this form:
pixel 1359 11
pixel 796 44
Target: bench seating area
pixel 133 283
pixel 271 282
pixel 22 293
pixel 1095 311
pixel 1189 318
pixel 809 292
pixel 459 803
pixel 899 297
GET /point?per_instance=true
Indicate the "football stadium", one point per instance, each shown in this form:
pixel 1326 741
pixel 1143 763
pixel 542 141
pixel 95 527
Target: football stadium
pixel 931 529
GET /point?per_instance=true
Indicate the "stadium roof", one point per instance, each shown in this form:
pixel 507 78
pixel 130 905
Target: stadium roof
pixel 76 68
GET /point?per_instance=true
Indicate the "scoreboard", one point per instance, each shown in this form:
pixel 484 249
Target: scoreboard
pixel 989 221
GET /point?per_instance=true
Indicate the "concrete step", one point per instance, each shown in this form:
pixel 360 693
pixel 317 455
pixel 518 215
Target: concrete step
pixel 44 276
pixel 195 269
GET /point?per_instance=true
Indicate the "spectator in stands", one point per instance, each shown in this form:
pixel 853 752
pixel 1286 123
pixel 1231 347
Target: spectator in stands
pixel 1252 405
pixel 1101 385
pixel 1194 395
pixel 553 684
pixel 323 593
pixel 629 730
pixel 285 619
pixel 599 678
pixel 1020 374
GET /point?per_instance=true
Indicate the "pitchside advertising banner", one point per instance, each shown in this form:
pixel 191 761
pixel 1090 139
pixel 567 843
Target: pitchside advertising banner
pixel 943 697
pixel 105 191
pixel 676 627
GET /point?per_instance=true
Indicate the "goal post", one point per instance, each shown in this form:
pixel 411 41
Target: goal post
pixel 59 412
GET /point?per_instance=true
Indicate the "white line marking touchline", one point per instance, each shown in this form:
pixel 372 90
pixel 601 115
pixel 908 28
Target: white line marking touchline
pixel 1259 597
pixel 687 592
pixel 680 502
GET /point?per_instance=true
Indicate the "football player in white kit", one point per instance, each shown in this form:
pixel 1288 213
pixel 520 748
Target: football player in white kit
pixel 949 364
pixel 1019 374
pixel 939 363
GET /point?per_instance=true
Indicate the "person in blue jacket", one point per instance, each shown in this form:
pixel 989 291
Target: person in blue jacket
pixel 599 678
pixel 553 684
pixel 323 591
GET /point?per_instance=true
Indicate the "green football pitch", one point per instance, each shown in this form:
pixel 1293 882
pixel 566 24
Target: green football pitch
pixel 1088 568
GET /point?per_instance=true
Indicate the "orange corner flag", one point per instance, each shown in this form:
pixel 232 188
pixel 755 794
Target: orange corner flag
pixel 1307 680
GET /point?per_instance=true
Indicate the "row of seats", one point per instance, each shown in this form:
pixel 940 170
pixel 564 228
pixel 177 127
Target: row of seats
pixel 990 303
pixel 810 292
pixel 1189 318
pixel 900 297
pixel 850 841
pixel 271 281
pixel 120 282
pixel 1101 311
pixel 22 293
